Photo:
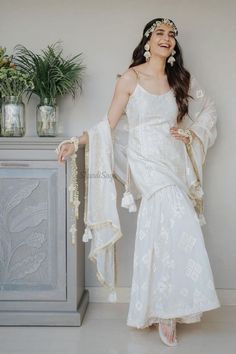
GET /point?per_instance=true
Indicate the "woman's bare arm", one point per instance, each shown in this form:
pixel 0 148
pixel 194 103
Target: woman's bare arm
pixel 124 87
pixel 120 98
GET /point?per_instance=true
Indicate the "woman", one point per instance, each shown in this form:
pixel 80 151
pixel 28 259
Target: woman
pixel 172 278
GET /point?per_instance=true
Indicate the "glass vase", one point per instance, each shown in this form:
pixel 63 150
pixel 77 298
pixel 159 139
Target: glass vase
pixel 13 117
pixel 46 117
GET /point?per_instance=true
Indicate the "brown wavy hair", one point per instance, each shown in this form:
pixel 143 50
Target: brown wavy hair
pixel 178 77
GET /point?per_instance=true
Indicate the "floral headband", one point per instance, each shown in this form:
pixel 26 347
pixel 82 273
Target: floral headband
pixel 158 23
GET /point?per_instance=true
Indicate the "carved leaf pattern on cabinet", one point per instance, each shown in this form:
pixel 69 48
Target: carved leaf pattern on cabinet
pixel 20 195
pixel 21 214
pixel 29 217
pixel 26 266
pixel 35 240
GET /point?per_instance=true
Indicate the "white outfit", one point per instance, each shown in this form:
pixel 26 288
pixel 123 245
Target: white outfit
pixel 172 277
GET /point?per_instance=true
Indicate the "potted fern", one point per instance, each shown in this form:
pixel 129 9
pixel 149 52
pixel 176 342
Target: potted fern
pixel 13 84
pixel 53 76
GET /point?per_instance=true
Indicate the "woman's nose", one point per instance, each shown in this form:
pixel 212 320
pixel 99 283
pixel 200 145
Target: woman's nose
pixel 166 37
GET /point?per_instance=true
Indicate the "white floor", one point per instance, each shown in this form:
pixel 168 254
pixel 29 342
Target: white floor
pixel 104 331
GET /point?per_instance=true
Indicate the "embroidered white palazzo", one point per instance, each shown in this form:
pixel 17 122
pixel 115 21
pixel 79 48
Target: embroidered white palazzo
pixel 172 276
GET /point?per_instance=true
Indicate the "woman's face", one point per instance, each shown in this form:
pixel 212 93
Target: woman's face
pixel 162 41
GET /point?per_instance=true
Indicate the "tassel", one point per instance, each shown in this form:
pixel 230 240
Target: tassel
pixel 112 296
pixel 71 190
pixel 128 202
pixel 196 190
pixel 87 235
pixel 73 231
pixel 128 199
pixel 76 207
pixel 132 208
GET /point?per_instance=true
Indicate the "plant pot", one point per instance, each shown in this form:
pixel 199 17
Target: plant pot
pixel 46 118
pixel 13 117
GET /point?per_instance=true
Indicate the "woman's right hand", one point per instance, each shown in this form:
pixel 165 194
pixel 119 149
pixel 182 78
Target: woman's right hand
pixel 66 150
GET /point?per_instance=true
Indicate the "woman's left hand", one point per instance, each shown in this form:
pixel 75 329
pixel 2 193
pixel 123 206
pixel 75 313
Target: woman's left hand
pixel 174 132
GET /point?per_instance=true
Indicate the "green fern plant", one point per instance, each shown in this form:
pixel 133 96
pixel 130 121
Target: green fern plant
pixel 52 74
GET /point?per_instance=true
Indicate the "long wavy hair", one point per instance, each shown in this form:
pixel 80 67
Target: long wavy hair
pixel 178 77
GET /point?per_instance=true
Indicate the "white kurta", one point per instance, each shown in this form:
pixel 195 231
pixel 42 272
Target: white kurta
pixel 172 277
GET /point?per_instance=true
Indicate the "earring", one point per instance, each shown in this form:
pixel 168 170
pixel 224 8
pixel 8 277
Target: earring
pixel 171 59
pixel 147 53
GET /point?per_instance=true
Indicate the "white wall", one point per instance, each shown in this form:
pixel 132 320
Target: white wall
pixel 107 32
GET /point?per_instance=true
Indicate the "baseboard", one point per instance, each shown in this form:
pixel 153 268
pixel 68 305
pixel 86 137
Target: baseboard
pixel 100 294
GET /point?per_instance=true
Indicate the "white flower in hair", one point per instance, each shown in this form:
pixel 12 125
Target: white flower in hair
pixel 158 23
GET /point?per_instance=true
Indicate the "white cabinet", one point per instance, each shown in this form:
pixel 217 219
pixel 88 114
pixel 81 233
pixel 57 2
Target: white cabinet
pixel 42 273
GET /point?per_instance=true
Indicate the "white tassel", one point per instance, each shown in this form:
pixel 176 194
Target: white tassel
pixel 76 207
pixel 71 190
pixel 128 202
pixel 73 231
pixel 112 296
pixel 87 235
pixel 196 190
pixel 198 193
pixel 132 208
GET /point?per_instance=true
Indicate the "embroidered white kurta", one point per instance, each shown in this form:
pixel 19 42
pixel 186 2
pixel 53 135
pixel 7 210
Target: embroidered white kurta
pixel 172 277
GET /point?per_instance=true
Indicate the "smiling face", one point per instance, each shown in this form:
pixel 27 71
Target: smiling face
pixel 162 41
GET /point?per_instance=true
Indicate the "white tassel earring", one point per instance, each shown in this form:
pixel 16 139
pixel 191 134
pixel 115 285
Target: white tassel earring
pixel 147 53
pixel 171 59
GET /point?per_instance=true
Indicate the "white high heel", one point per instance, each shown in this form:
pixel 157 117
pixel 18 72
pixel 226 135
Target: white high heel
pixel 171 322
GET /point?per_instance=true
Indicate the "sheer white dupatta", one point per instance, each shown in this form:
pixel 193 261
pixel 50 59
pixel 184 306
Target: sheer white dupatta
pixel 101 216
pixel 201 119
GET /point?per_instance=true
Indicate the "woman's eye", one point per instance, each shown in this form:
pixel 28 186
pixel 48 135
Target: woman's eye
pixel 160 33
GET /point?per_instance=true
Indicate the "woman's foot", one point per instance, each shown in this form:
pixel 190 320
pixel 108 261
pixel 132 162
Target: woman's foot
pixel 167 331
